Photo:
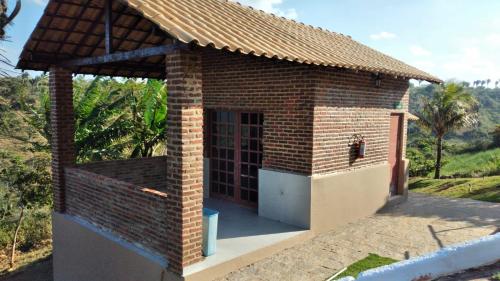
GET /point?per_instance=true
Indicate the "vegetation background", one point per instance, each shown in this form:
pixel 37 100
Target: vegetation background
pixel 114 118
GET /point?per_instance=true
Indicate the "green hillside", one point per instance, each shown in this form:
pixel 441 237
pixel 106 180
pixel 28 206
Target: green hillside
pixel 483 189
pixel 474 164
pixel 489 112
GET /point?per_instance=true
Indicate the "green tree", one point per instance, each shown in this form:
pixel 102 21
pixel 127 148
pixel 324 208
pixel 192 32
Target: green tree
pixel 450 108
pixel 28 187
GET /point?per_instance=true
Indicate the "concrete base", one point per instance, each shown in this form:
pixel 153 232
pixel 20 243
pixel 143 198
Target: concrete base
pixel 324 202
pixel 404 175
pixel 285 197
pixel 83 252
pixel 338 199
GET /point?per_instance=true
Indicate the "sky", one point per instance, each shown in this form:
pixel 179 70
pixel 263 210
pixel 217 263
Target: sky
pixel 452 39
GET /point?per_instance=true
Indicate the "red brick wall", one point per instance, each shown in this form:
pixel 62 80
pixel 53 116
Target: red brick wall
pixel 348 103
pixel 145 172
pixel 292 96
pixel 282 91
pixel 184 158
pixel 63 129
pixel 134 213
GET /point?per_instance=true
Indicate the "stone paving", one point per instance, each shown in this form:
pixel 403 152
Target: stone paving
pixel 421 225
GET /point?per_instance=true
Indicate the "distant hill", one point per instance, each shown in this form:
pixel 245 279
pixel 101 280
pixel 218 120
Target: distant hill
pixel 489 111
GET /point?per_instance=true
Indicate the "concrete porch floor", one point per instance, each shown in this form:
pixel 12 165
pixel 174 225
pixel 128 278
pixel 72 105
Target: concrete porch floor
pixel 243 237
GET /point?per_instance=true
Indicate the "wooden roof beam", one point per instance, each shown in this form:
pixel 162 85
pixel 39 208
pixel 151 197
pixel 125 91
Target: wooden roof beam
pixel 123 56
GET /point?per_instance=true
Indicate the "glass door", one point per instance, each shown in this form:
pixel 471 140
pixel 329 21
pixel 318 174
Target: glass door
pixel 236 155
pixel 222 158
pixel 250 156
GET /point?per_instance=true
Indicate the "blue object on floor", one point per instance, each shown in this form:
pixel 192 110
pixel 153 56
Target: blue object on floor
pixel 210 221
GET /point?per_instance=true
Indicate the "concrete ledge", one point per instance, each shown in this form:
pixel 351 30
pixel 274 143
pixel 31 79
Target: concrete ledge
pixel 225 268
pixel 447 261
pixel 84 252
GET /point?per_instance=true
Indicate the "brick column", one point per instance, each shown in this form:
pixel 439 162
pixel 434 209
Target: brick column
pixel 184 158
pixel 63 127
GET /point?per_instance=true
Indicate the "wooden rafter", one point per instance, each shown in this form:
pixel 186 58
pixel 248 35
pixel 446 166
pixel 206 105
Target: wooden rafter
pixel 88 39
pixel 44 30
pixel 75 23
pixel 88 34
pixel 108 23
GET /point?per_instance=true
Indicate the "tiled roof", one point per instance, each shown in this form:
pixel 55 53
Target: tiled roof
pixel 227 25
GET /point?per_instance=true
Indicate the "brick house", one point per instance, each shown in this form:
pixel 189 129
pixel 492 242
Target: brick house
pixel 265 119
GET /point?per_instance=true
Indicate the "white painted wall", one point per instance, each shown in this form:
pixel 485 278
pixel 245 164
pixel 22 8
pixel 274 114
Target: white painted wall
pixel 447 261
pixel 285 197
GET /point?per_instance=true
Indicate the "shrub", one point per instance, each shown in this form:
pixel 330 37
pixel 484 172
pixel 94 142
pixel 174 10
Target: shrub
pixel 36 228
pixel 421 163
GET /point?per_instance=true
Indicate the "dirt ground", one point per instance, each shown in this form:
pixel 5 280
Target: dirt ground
pixel 421 225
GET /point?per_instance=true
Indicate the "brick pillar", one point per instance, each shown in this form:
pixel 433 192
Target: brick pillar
pixel 63 127
pixel 184 158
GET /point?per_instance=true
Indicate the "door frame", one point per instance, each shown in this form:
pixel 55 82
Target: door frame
pixel 237 155
pixel 399 151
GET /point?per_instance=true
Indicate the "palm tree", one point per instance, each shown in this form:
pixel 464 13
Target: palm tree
pixel 488 81
pixel 496 83
pixel 6 19
pixel 450 108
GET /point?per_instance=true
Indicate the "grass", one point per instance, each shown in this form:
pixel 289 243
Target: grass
pixel 372 261
pixel 477 164
pixel 483 189
pixel 496 276
pixel 24 260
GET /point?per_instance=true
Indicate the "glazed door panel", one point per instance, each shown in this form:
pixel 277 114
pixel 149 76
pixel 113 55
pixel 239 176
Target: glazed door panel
pixel 222 158
pixel 236 156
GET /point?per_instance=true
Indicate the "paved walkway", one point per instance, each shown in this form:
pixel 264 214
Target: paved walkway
pixel 421 225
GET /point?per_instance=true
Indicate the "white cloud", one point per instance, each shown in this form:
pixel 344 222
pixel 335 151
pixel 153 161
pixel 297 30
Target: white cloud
pixel 383 35
pixel 419 51
pixel 270 6
pixel 472 63
pixel 40 2
pixel 425 65
pixel 493 39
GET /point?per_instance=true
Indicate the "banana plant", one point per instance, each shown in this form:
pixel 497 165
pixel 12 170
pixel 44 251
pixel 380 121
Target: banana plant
pixel 149 115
